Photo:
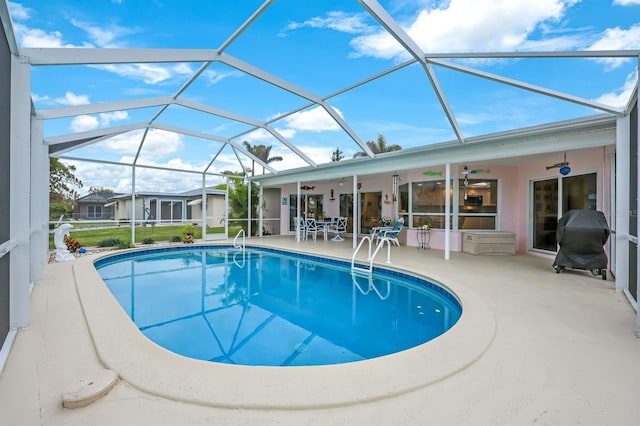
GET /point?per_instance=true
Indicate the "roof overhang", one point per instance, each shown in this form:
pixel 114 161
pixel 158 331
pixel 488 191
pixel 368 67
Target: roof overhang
pixel 555 137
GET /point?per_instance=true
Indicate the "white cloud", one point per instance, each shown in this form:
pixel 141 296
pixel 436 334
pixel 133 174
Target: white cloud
pixel 19 12
pixel 28 37
pixel 103 36
pixel 626 2
pixel 71 98
pixel 158 143
pixel 214 77
pixel 106 118
pixel 620 98
pixel 617 39
pixel 354 23
pixel 149 73
pixel 314 120
pixel 259 135
pixel 118 178
pixel 37 98
pixel 468 25
pixel 83 123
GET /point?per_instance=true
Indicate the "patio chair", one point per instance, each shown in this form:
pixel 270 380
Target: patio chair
pixel 311 227
pixel 300 227
pixel 339 227
pixel 391 235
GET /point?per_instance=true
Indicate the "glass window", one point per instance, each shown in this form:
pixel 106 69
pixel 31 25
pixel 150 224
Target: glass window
pixel 424 203
pixel 477 203
pixel 478 196
pixel 428 204
pixel 428 197
pixel 94 212
pixel 579 192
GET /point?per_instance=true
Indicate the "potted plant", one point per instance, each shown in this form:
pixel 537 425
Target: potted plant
pixel 188 231
pixel 321 215
pixel 386 220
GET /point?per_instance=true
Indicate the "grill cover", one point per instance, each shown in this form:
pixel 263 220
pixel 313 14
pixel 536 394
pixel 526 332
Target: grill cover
pixel 581 235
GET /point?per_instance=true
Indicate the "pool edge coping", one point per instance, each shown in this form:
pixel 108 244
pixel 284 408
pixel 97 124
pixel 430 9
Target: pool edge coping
pixel 157 371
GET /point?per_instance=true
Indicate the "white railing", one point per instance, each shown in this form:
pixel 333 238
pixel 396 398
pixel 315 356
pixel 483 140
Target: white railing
pixel 235 240
pixel 371 257
pixel 7 246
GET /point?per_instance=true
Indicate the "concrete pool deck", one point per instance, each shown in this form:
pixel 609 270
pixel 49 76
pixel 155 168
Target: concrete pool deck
pixel 562 350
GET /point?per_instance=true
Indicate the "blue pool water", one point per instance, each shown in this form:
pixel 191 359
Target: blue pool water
pixel 269 307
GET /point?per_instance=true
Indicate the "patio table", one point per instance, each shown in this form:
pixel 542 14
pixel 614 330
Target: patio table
pixel 325 227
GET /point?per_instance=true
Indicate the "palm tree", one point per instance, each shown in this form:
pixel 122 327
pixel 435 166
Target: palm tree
pixel 379 146
pixel 336 155
pixel 262 152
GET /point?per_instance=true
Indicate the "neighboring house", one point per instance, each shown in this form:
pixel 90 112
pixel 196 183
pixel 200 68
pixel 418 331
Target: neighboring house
pixel 164 208
pixel 94 206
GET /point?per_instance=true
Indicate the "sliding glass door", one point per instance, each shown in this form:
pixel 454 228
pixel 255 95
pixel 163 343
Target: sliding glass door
pixel 568 193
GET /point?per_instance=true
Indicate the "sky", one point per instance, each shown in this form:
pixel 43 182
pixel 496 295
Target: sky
pixel 322 47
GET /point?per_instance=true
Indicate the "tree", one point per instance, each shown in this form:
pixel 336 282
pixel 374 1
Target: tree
pixel 378 147
pixel 102 190
pixel 238 208
pixel 336 155
pixel 263 152
pixel 62 187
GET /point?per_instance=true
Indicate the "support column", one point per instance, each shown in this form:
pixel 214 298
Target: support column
pixel 356 213
pixel 204 207
pixel 622 203
pixel 133 205
pixel 297 224
pixel 447 212
pixel 637 138
pixel 248 208
pixel 20 192
pixel 226 208
pixel 39 205
pixel 260 214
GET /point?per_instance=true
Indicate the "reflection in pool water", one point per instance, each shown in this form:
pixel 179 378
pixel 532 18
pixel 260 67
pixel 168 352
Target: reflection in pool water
pixel 267 307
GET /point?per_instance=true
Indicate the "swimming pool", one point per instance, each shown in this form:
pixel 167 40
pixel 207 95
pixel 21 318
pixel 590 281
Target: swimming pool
pixel 121 347
pixel 267 307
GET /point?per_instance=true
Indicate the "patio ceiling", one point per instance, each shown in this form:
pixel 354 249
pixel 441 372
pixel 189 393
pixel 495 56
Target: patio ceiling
pixel 225 93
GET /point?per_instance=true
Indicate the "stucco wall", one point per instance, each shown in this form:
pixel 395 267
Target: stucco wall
pixel 514 194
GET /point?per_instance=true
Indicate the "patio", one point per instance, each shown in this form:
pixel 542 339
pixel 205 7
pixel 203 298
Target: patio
pixel 564 352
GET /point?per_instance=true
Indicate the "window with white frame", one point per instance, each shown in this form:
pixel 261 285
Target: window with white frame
pixel 475 205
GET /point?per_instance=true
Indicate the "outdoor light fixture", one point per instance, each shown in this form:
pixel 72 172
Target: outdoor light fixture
pixel 465 173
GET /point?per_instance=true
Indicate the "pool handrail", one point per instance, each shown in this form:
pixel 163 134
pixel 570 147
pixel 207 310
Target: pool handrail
pixel 371 257
pixel 235 240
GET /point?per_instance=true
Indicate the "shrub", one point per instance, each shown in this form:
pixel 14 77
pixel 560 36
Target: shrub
pixel 72 244
pixel 109 242
pixel 148 241
pixel 175 239
pixel 188 229
pixel 124 245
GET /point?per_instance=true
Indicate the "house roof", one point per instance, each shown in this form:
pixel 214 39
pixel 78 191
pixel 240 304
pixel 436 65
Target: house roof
pixel 195 193
pixel 97 197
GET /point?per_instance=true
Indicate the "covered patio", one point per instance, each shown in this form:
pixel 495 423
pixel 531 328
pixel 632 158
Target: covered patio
pixel 561 350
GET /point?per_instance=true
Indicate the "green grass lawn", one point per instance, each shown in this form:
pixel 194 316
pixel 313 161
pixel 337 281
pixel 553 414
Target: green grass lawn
pixel 91 237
